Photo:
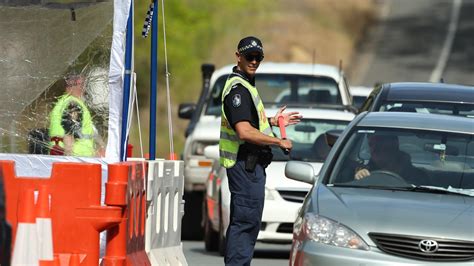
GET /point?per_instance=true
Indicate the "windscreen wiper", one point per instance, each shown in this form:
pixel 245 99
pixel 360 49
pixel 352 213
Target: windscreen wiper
pixel 428 189
pixel 363 186
pixel 439 190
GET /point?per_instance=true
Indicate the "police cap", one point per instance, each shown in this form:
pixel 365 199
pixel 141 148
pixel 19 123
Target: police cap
pixel 250 44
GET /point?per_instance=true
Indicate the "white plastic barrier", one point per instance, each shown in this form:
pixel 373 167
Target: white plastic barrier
pixel 165 211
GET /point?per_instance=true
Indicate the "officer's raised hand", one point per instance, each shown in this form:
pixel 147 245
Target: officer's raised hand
pixel 289 118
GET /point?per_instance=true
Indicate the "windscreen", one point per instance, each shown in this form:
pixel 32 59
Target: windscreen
pixel 381 157
pixel 280 89
pixel 458 109
pixel 43 43
pixel 309 141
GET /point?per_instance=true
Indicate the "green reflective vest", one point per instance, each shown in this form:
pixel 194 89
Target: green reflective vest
pixel 229 142
pixel 84 146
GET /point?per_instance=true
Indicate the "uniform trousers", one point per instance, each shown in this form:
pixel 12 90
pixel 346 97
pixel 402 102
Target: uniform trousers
pixel 246 206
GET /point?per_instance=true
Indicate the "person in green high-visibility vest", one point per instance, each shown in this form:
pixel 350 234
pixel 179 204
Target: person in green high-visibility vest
pixel 244 148
pixel 71 128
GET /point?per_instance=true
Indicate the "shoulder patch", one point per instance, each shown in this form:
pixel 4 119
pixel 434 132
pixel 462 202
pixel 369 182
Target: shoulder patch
pixel 236 100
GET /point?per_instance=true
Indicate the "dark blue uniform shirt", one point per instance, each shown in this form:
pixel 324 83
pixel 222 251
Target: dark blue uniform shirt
pixel 238 104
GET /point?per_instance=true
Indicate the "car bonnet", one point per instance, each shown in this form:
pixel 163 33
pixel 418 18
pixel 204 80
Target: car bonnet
pixel 398 212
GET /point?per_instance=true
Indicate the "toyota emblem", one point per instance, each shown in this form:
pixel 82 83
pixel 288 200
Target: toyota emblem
pixel 428 246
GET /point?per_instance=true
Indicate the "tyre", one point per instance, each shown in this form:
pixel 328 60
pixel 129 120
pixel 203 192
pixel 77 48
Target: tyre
pixel 191 228
pixel 211 237
pixel 222 242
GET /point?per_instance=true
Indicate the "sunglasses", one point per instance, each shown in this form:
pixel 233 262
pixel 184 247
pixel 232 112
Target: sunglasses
pixel 256 57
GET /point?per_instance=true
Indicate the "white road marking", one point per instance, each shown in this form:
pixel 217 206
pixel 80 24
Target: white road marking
pixel 448 43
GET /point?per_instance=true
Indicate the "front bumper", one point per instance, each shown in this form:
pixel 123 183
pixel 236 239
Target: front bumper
pixel 195 175
pixel 313 253
pixel 277 221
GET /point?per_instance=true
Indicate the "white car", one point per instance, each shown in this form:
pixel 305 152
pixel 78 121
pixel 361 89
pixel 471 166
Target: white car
pixel 283 197
pixel 359 94
pixel 278 84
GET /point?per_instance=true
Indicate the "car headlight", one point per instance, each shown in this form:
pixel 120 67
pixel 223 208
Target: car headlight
pixel 198 147
pixel 323 230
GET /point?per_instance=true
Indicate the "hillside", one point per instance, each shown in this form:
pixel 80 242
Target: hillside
pixel 320 31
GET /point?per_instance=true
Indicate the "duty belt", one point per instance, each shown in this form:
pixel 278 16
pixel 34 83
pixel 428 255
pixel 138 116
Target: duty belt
pixel 264 157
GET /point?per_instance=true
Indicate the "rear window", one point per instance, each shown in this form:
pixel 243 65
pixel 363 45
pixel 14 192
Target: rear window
pixel 465 110
pixel 282 89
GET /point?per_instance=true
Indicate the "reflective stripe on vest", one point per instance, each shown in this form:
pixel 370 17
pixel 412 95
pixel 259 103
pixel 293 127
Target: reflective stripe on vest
pixel 84 146
pixel 229 141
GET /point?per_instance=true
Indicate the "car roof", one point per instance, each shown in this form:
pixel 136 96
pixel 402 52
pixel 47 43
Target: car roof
pixel 360 90
pixel 421 121
pixel 432 92
pixel 316 113
pixel 288 68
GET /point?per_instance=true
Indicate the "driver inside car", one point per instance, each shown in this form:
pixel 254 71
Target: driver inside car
pixel 385 155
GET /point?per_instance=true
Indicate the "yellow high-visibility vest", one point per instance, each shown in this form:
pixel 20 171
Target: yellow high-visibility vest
pixel 84 146
pixel 229 141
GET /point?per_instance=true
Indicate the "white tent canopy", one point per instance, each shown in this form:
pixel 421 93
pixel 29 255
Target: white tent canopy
pixel 44 41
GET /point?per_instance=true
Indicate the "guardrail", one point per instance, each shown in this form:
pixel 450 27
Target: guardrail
pixel 165 212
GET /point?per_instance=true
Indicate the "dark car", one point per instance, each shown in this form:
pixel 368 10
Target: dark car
pixel 422 97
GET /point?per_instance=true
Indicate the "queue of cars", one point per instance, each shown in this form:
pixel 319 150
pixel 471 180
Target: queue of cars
pixel 291 84
pixel 283 197
pixel 278 84
pixel 396 188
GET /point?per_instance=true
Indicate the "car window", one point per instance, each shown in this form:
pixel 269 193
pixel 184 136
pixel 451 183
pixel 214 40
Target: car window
pixel 308 137
pixel 282 89
pixel 358 100
pixel 401 157
pixel 466 110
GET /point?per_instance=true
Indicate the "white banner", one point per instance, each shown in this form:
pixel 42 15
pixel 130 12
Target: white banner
pixel 116 79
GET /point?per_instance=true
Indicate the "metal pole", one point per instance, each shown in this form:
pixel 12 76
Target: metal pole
pixel 153 79
pixel 126 84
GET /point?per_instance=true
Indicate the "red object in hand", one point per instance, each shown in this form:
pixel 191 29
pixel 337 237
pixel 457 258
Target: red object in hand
pixel 281 125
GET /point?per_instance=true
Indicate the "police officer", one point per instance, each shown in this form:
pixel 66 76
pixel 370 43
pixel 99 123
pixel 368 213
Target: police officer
pixel 71 127
pixel 245 152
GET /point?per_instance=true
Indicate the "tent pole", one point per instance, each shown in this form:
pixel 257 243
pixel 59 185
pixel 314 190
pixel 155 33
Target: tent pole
pixel 153 81
pixel 126 84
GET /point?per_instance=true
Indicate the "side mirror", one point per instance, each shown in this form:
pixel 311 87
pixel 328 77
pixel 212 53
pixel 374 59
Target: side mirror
pixel 300 171
pixel 186 110
pixel 212 152
pixel 332 136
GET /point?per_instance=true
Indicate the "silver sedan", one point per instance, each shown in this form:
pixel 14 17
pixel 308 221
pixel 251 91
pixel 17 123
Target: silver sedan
pixel 396 189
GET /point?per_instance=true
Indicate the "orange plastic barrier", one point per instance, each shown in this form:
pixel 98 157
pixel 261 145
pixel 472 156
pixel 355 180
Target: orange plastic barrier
pixel 126 241
pixel 76 212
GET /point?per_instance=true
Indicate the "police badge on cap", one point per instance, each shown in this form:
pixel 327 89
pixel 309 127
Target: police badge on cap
pixel 250 44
